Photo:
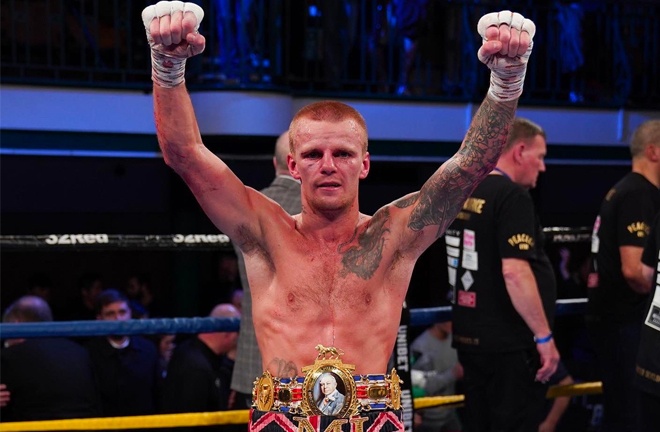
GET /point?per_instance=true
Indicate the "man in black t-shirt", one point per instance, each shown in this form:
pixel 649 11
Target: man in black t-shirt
pixel 617 291
pixel 504 291
pixel 199 373
pixel 648 356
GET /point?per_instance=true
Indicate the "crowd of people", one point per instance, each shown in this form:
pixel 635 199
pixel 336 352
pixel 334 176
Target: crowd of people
pixel 114 375
pixel 398 45
pixel 313 268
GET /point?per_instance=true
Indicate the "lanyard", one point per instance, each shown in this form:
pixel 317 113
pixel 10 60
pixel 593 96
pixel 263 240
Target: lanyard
pixel 502 172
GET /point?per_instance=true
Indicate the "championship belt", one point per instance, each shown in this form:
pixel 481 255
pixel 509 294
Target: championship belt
pixel 328 387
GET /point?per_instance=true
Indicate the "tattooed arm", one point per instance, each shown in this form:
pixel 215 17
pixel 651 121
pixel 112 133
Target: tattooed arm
pixel 442 196
pixel 507 45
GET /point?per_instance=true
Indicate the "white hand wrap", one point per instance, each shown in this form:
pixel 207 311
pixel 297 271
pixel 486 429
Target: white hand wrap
pixel 507 73
pixel 168 63
pixel 418 378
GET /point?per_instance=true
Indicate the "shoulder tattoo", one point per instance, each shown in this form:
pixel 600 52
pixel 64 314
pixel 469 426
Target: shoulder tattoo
pixel 364 258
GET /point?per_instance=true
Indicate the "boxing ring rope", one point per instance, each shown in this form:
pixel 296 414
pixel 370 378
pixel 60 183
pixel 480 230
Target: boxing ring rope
pixel 130 327
pixel 110 242
pixel 160 242
pixel 90 242
pixel 132 422
pixel 233 417
pixel 418 317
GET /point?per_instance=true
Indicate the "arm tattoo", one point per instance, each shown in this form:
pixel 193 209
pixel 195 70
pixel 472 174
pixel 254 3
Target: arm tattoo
pixel 440 199
pixel 364 259
pixel 487 136
pixel 407 200
pixel 443 195
pixel 284 368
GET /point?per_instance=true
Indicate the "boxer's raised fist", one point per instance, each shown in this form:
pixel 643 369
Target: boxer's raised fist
pixel 506 47
pixel 172 31
pixel 172 28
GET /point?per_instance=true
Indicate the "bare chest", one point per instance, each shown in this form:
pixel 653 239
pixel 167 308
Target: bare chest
pixel 324 278
pixel 328 279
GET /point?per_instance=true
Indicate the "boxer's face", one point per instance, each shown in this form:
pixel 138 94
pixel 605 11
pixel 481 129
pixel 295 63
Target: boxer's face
pixel 329 159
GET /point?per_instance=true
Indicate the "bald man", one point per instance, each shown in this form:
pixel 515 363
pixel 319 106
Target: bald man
pixel 617 291
pixel 45 378
pixel 199 373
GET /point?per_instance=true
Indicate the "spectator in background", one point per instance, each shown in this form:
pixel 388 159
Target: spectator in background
pixel 400 23
pixel 504 291
pixel 284 190
pixel 228 272
pixel 125 367
pixel 616 289
pixel 199 373
pixel 573 270
pixel 139 293
pixel 648 357
pixel 435 370
pixel 237 299
pixel 44 378
pixel 240 29
pixel 165 344
pixel 40 285
pixel 90 286
pixel 339 20
pixel 410 18
pixel 140 290
pixel 569 16
pixel 224 284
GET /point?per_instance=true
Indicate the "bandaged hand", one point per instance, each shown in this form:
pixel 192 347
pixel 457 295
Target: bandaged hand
pixel 507 45
pixel 418 378
pixel 173 37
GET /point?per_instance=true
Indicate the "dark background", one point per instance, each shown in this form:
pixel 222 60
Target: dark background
pixel 73 195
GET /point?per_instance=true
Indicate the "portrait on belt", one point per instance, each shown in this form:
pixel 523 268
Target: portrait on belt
pixel 330 393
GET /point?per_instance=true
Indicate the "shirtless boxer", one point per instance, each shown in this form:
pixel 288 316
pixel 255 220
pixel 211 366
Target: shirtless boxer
pixel 330 275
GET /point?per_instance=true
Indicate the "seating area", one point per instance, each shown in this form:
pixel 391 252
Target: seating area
pixel 591 54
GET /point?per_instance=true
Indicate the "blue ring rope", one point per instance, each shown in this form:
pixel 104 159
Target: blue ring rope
pixel 418 317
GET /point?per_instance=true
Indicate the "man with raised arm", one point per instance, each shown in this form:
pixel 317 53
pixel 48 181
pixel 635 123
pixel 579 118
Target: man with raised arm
pixel 328 284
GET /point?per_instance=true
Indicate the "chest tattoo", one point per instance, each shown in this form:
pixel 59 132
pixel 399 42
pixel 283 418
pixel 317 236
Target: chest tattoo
pixel 364 258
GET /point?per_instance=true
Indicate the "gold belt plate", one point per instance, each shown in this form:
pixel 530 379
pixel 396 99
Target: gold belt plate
pixel 329 388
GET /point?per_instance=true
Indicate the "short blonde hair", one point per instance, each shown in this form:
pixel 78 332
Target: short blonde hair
pixel 330 111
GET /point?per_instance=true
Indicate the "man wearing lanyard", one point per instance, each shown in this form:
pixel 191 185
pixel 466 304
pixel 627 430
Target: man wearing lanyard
pixel 504 291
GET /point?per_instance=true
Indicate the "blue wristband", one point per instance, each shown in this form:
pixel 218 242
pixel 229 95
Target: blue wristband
pixel 544 339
